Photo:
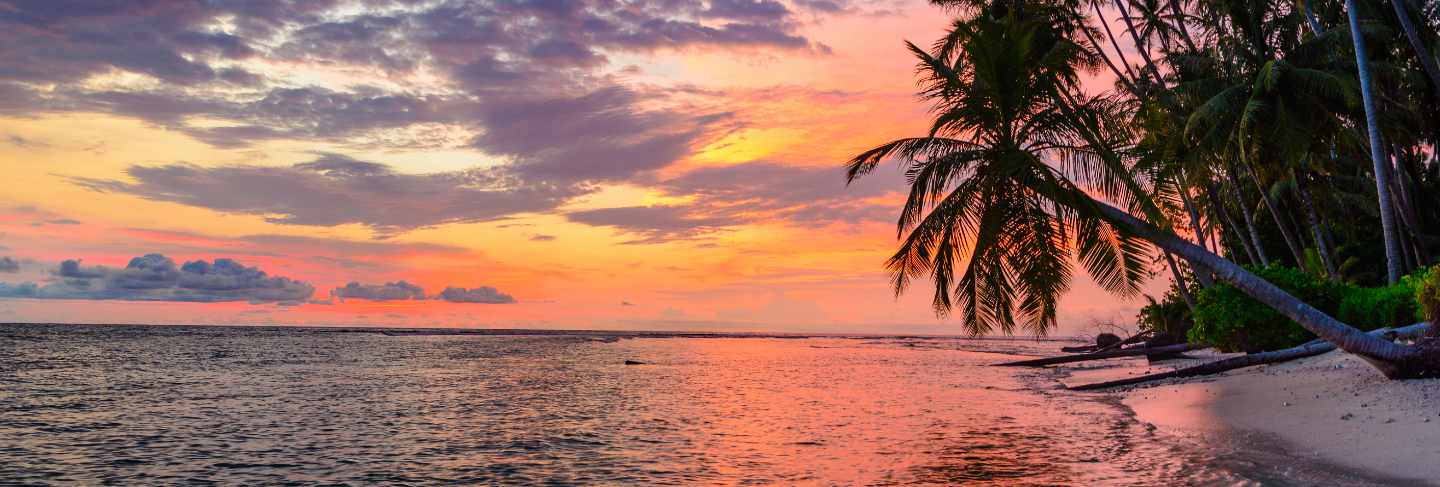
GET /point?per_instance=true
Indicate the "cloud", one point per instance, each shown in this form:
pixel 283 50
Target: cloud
pixel 480 295
pixel 390 291
pixel 22 290
pixel 754 10
pixel 542 238
pixel 337 190
pixel 729 196
pixel 601 135
pixel 155 277
pixel 9 265
pixel 626 303
pixel 655 224
pixel 38 217
pixel 190 57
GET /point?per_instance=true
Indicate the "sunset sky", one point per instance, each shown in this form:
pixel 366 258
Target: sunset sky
pixel 663 165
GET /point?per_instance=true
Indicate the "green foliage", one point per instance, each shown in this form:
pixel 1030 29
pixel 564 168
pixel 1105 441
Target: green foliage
pixel 1427 293
pixel 1170 315
pixel 1232 322
pixel 1379 307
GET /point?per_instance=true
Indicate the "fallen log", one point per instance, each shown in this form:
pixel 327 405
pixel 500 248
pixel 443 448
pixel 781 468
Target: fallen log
pixel 1309 349
pixel 1127 352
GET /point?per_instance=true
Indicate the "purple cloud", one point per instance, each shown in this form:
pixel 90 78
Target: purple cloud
pixel 155 277
pixel 390 291
pixel 479 295
pixel 337 190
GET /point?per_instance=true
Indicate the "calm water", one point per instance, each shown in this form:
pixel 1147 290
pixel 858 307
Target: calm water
pixel 128 405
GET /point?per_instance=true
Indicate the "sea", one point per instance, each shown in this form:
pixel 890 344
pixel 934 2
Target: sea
pixel 167 405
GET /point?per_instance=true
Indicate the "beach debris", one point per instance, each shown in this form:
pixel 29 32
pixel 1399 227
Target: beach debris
pixel 1109 341
pixel 634 362
pixel 1346 416
pixel 1309 349
pixel 1127 352
pixel 1105 340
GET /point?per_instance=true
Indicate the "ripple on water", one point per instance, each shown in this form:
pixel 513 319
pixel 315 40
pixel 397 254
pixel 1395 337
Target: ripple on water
pixel 92 404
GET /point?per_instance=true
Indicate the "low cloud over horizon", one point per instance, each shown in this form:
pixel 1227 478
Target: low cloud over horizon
pixel 155 277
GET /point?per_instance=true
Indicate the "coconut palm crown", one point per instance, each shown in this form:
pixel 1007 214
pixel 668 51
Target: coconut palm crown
pixel 997 209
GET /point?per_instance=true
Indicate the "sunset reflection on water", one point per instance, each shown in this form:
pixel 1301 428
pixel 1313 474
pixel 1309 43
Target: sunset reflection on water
pixel 133 405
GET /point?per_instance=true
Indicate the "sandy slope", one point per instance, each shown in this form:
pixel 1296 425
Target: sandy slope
pixel 1333 407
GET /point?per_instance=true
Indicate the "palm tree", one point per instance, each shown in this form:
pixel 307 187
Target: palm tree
pixel 1017 176
pixel 975 178
pixel 1377 147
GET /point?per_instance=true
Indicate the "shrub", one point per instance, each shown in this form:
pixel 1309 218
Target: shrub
pixel 1427 293
pixel 1379 307
pixel 1231 321
pixel 1170 315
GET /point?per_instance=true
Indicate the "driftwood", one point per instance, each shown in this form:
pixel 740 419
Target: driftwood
pixel 1127 352
pixel 1309 349
pixel 1136 338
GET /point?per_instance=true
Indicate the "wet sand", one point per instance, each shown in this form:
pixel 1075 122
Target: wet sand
pixel 1333 409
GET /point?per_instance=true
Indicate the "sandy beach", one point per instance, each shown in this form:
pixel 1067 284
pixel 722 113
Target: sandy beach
pixel 1333 408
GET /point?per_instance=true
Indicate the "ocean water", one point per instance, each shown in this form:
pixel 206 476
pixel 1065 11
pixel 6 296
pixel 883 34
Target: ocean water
pixel 248 406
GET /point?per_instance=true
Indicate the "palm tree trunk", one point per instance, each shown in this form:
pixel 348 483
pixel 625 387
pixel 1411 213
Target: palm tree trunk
pixel 1404 179
pixel 1321 247
pixel 1231 228
pixel 1285 231
pixel 1405 204
pixel 1195 223
pixel 1180 282
pixel 1206 280
pixel 1377 149
pixel 1114 44
pixel 1390 358
pixel 1180 26
pixel 1249 217
pixel 1426 61
pixel 1125 81
pixel 1139 44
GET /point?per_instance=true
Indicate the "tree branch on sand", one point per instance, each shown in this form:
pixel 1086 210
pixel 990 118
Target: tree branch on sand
pixel 1309 349
pixel 1084 357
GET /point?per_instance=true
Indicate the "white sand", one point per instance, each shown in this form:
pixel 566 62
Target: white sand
pixel 1333 407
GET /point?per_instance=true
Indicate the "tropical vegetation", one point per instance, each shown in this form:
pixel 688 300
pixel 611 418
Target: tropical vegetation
pixel 1238 139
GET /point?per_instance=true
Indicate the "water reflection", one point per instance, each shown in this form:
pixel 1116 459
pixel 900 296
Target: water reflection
pixel 246 406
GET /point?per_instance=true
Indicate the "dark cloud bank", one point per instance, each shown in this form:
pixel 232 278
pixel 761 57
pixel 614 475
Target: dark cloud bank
pixel 155 277
pixel 335 190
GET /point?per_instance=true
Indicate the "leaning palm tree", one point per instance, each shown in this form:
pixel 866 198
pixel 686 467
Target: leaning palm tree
pixel 1020 175
pixel 978 171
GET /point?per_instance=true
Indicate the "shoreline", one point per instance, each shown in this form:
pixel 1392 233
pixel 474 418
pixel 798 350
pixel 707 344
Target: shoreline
pixel 1328 410
pixel 579 332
